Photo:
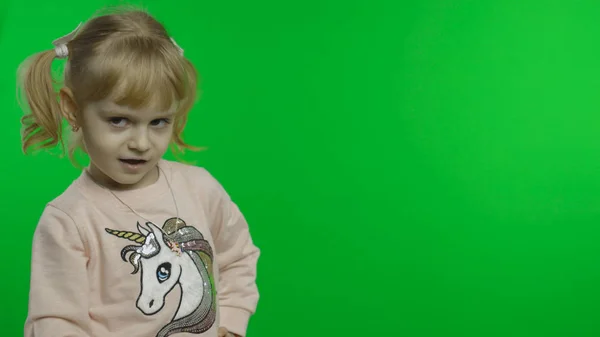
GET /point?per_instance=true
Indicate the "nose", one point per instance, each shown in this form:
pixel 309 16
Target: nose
pixel 140 140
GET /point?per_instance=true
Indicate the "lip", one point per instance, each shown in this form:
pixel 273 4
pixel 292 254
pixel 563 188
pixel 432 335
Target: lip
pixel 132 166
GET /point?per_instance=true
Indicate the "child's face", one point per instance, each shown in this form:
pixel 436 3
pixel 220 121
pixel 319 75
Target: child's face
pixel 125 145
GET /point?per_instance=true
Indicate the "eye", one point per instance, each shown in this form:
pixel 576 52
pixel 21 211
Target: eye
pixel 118 121
pixel 163 272
pixel 162 122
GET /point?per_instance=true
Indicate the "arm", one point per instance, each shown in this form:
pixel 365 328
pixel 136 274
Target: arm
pixel 58 296
pixel 237 258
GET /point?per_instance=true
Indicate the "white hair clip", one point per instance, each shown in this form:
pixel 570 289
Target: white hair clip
pixel 60 44
pixel 176 45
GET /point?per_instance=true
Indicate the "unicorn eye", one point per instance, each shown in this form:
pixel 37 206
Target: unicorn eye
pixel 163 272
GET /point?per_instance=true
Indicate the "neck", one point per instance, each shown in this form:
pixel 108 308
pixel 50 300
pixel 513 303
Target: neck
pixel 102 179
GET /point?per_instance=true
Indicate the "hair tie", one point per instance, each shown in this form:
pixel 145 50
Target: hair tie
pixel 62 51
pixel 60 44
pixel 177 46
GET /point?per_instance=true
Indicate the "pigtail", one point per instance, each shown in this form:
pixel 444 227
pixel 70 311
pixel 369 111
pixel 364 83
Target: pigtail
pixel 41 125
pixel 191 86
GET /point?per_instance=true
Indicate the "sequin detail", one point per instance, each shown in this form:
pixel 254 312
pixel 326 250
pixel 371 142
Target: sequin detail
pixel 175 253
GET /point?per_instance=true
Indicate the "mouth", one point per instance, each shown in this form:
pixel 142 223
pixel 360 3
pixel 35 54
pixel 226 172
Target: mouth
pixel 134 162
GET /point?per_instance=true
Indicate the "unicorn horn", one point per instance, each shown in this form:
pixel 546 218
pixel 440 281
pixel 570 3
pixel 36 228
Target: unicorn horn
pixel 131 236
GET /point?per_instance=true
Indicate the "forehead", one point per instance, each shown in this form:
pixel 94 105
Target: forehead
pixel 109 107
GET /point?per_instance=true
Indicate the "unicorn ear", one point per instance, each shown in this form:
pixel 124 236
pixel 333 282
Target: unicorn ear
pixel 157 231
pixel 143 230
pixel 153 228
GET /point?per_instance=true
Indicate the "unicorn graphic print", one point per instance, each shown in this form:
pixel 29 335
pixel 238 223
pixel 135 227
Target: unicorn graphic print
pixel 174 255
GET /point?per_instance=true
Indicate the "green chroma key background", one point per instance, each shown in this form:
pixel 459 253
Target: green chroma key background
pixel 424 168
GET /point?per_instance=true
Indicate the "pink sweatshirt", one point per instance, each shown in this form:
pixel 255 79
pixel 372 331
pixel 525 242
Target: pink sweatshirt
pixel 100 270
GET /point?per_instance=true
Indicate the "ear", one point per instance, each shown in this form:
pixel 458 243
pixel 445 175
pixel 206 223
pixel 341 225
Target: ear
pixel 158 233
pixel 68 106
pixel 153 228
pixel 143 230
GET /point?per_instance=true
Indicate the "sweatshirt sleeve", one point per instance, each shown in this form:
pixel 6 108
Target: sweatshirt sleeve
pixel 58 295
pixel 237 257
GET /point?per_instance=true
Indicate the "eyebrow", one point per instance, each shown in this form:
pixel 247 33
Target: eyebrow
pixel 117 110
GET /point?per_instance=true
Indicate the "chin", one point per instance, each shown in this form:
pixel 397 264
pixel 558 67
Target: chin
pixel 131 178
pixel 124 181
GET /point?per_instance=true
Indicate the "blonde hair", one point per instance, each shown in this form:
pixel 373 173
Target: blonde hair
pixel 124 55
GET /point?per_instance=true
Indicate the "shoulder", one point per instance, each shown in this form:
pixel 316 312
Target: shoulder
pixel 63 208
pixel 194 176
pixel 69 200
pixel 57 223
pixel 200 183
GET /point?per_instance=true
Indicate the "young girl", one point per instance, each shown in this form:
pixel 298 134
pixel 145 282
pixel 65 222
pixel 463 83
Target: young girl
pixel 136 246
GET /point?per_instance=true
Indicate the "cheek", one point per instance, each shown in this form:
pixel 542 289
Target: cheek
pixel 163 138
pixel 98 142
pixel 101 148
